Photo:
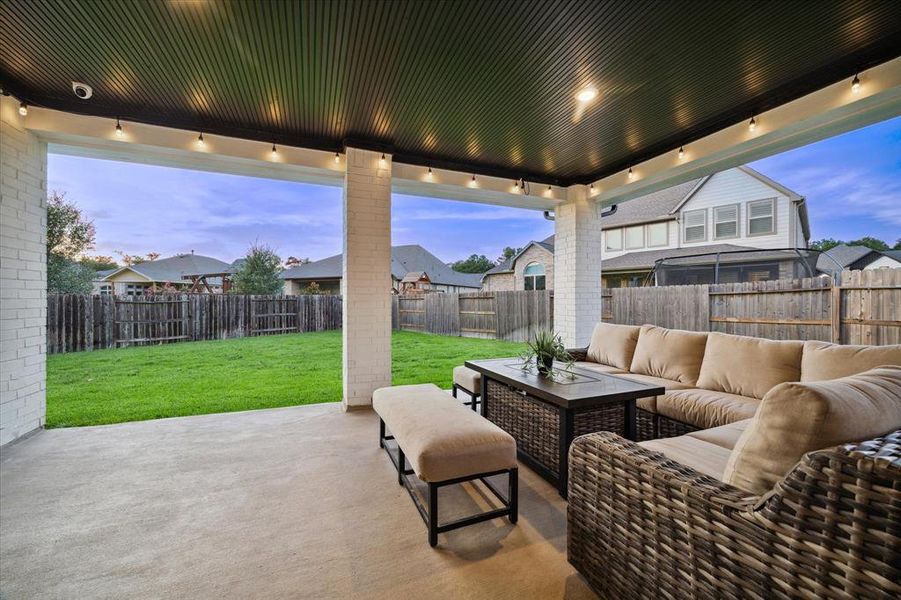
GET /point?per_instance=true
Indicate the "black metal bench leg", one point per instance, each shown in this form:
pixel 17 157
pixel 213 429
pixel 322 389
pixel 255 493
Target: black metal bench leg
pixel 381 433
pixel 400 466
pixel 513 494
pixel 433 515
pixel 475 404
pixel 454 391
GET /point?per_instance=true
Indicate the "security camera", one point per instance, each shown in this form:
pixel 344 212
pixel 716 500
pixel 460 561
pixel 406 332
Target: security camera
pixel 82 90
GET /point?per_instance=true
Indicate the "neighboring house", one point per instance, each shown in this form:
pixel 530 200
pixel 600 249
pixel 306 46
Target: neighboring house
pixel 154 275
pixel 737 209
pixel 326 273
pixel 858 258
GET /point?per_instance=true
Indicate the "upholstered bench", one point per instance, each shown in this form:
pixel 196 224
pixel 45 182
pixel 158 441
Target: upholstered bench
pixel 445 443
pixel 469 381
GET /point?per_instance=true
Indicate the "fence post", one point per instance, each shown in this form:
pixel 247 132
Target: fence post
pixel 836 313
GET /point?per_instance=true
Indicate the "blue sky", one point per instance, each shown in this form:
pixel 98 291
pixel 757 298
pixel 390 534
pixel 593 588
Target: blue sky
pixel 852 183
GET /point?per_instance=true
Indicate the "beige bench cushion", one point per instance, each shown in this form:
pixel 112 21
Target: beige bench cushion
pixel 706 408
pixel 599 368
pixel 822 360
pixel 797 418
pixel 441 438
pixel 650 403
pixel 702 456
pixel 669 353
pixel 613 345
pixel 748 366
pixel 469 380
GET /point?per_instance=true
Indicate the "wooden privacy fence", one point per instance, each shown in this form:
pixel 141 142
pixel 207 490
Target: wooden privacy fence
pixel 864 308
pixel 510 316
pixel 82 322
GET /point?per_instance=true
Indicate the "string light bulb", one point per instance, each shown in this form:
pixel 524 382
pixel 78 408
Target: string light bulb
pixel 855 84
pixel 337 157
pixel 382 161
pixel 23 109
pixel 119 132
pixel 631 174
pixel 429 174
pixel 753 124
pixel 200 141
pixel 274 149
pixel 681 152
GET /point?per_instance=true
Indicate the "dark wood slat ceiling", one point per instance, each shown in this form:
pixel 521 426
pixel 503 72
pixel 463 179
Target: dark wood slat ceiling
pixel 486 86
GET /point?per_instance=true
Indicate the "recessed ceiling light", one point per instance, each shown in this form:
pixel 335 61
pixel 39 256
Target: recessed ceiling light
pixel 586 94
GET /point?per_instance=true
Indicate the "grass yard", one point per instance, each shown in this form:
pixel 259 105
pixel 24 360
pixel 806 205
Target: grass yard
pixel 151 382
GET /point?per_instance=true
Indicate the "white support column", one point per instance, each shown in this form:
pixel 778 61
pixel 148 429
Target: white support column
pixel 366 285
pixel 577 267
pixel 23 276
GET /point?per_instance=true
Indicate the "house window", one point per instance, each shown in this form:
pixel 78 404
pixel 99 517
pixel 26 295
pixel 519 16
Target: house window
pixel 694 223
pixel 635 237
pixel 658 234
pixel 614 239
pixel 106 289
pixel 762 217
pixel 135 289
pixel 725 222
pixel 534 276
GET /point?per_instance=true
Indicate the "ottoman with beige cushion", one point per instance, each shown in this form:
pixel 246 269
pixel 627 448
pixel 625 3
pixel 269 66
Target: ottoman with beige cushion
pixel 445 443
pixel 469 381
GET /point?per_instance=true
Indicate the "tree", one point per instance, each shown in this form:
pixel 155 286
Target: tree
pixel 136 259
pixel 293 261
pixel 825 244
pixel 313 290
pixel 897 245
pixel 508 253
pixel 99 263
pixel 476 263
pixel 66 276
pixel 68 233
pixel 259 272
pixel 868 241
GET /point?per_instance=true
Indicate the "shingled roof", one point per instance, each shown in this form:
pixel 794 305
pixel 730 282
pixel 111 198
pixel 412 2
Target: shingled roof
pixel 404 259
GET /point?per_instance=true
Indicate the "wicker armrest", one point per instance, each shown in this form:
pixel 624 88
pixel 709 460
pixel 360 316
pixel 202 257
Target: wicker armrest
pixel 578 353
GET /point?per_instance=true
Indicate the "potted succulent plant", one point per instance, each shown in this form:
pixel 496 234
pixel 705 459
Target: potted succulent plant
pixel 545 347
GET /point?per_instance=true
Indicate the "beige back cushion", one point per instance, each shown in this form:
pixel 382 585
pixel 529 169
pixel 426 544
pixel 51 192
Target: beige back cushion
pixel 748 366
pixel 669 353
pixel 822 360
pixel 797 418
pixel 613 344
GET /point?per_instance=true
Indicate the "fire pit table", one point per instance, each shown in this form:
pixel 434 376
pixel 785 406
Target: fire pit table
pixel 544 415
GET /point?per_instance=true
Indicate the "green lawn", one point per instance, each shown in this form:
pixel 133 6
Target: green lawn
pixel 151 382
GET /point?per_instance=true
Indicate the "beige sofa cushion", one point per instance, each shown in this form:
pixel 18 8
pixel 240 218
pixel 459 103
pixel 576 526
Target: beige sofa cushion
pixel 613 344
pixel 598 368
pixel 822 360
pixel 797 418
pixel 442 438
pixel 706 408
pixel 650 403
pixel 748 366
pixel 702 456
pixel 669 353
pixel 724 436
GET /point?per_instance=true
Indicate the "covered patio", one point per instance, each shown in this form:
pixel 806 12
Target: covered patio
pixel 562 107
pixel 282 503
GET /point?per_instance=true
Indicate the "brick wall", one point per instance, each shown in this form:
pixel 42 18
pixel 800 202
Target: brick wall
pixel 499 282
pixel 534 254
pixel 366 284
pixel 577 267
pixel 23 276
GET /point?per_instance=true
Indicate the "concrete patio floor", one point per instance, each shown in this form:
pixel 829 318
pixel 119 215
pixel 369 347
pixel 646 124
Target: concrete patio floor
pixel 283 503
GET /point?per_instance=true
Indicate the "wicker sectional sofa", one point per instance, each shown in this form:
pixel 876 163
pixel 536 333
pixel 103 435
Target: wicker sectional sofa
pixel 767 470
